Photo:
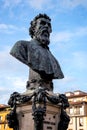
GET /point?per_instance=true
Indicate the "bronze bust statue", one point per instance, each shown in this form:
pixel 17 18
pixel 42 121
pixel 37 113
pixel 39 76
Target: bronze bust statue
pixel 36 54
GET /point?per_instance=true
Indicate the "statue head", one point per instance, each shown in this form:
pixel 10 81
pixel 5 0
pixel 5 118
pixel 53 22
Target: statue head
pixel 40 28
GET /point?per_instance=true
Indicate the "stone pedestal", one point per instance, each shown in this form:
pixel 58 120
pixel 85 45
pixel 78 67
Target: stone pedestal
pixel 36 111
pixel 51 119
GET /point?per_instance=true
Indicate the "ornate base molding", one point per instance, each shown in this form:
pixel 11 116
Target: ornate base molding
pixel 38 111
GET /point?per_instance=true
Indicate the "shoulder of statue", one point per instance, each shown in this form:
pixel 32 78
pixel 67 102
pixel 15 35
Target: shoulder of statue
pixel 20 45
pixel 22 42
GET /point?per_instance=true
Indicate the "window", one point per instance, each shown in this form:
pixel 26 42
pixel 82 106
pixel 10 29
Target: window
pixel 78 110
pixel 5 126
pixel 81 121
pixel 0 118
pixel 71 110
pixel 71 120
pixel 68 111
pixel 81 111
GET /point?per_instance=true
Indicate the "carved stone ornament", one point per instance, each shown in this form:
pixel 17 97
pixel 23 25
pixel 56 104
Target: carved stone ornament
pixel 39 99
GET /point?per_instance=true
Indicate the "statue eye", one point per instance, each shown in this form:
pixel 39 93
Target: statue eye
pixel 42 22
pixel 49 24
pixel 45 23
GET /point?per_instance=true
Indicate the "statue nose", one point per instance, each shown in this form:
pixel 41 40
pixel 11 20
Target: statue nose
pixel 46 25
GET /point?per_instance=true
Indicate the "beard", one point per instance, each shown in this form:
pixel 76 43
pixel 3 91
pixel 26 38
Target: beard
pixel 42 35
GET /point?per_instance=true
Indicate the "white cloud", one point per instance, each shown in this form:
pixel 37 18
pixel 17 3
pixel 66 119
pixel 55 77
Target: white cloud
pixel 11 84
pixel 81 31
pixel 8 28
pixel 4 57
pixel 58 5
pixel 66 84
pixel 71 4
pixel 4 98
pixel 2 89
pixel 64 4
pixel 13 72
pixel 40 4
pixel 66 80
pixel 8 3
pixel 65 36
pixel 18 83
pixel 61 36
pixel 80 60
pixel 36 4
pixel 11 69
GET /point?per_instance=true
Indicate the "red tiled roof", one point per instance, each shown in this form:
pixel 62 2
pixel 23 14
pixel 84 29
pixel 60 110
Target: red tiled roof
pixel 77 103
pixel 81 93
pixel 3 106
pixel 78 95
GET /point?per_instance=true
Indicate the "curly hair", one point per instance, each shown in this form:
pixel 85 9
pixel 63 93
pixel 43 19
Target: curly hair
pixel 33 23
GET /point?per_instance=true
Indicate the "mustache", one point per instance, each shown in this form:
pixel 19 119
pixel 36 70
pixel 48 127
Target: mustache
pixel 42 30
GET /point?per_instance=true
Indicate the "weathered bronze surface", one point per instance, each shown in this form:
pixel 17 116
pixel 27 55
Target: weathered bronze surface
pixel 43 69
pixel 36 54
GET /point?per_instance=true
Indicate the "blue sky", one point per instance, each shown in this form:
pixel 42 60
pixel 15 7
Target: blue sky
pixel 68 42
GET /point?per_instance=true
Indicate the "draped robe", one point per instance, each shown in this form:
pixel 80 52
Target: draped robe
pixel 38 58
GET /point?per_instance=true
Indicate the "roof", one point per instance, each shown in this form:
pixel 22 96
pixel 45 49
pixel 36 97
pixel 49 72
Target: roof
pixel 76 93
pixel 3 106
pixel 77 103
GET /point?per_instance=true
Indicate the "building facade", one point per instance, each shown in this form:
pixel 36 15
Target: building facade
pixel 4 110
pixel 77 110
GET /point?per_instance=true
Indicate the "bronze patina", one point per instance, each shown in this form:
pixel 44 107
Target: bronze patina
pixel 43 69
pixel 36 54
